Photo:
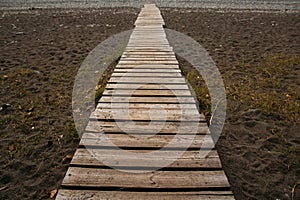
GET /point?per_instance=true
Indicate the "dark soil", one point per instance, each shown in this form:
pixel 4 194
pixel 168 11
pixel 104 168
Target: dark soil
pixel 41 51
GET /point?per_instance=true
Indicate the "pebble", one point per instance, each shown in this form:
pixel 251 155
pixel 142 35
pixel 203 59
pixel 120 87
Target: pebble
pixel 20 33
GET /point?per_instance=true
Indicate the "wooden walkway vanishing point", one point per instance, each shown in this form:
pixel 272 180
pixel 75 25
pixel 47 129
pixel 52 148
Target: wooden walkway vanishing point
pixel 149 66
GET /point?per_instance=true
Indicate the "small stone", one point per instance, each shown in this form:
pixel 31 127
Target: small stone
pixel 20 33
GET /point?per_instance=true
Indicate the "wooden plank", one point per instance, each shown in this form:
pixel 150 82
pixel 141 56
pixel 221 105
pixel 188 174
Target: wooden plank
pixel 148 52
pixel 147 66
pixel 162 154
pixel 142 44
pixel 189 159
pixel 152 93
pixel 153 42
pixel 148 106
pixel 152 38
pixel 145 115
pixel 150 29
pixel 149 49
pixel 149 33
pixel 149 23
pixel 146 80
pixel 166 53
pixel 175 62
pixel 169 109
pixel 148 74
pixel 170 128
pixel 139 70
pixel 148 44
pixel 91 177
pixel 145 111
pixel 152 26
pixel 152 17
pixel 147 56
pixel 125 195
pixel 147 86
pixel 142 59
pixel 168 100
pixel 142 141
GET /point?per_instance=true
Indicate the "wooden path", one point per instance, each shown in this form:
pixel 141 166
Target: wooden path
pixel 147 75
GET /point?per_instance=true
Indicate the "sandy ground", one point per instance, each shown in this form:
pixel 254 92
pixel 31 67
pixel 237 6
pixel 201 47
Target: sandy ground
pixel 41 51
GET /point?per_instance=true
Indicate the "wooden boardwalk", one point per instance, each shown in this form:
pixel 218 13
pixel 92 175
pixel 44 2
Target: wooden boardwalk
pixel 147 81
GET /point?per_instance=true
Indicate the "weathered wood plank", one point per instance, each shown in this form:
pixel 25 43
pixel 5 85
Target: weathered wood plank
pixel 125 195
pixel 165 154
pixel 148 106
pixel 170 128
pixel 143 141
pixel 147 86
pixel 146 80
pixel 142 59
pixel 139 70
pixel 149 32
pixel 149 49
pixel 174 62
pixel 167 53
pixel 147 56
pixel 91 177
pixel 149 23
pixel 146 44
pixel 168 100
pixel 189 159
pixel 147 66
pixel 152 26
pixel 152 93
pixel 145 111
pixel 145 115
pixel 153 39
pixel 148 74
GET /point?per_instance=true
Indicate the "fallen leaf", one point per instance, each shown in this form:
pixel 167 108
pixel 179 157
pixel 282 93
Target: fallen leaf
pixel 53 193
pixel 11 148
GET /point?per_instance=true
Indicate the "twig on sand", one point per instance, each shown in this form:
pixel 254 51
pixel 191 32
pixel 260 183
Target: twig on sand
pixel 294 189
pixel 3 188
